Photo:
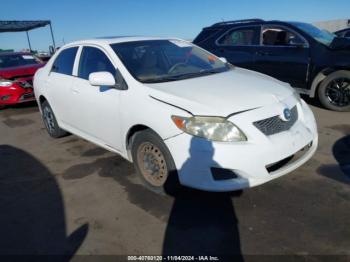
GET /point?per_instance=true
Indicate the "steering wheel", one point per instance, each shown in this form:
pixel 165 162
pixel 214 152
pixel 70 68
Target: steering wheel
pixel 176 66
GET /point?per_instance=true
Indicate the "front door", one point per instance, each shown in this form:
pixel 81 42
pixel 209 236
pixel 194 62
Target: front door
pixel 97 107
pixel 283 54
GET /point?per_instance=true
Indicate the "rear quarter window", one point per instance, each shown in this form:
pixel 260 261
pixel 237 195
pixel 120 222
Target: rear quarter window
pixel 65 61
pixel 240 37
pixel 205 35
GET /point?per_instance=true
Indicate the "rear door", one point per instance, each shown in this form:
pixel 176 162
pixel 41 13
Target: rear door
pixel 239 45
pixel 59 82
pixel 283 54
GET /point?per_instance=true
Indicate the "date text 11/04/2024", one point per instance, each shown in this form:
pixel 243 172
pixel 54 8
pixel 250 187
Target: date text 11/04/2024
pixel 173 258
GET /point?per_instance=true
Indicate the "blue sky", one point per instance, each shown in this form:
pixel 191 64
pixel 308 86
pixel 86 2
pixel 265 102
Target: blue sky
pixel 73 20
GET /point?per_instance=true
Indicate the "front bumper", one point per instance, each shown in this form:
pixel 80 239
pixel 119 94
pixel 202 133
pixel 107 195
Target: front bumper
pixel 15 94
pixel 251 160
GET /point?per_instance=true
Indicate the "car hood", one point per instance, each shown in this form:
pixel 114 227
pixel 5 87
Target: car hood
pixel 18 71
pixel 340 43
pixel 222 94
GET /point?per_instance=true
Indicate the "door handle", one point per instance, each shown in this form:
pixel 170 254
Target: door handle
pixel 74 90
pixel 262 53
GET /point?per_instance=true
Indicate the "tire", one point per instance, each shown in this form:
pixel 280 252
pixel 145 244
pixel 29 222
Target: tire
pixel 154 163
pixel 334 91
pixel 50 121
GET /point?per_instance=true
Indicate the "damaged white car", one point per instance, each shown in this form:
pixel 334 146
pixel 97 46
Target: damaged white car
pixel 182 115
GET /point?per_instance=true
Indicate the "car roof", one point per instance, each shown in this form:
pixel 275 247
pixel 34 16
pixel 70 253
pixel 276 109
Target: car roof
pixel 117 39
pixel 245 22
pixel 238 22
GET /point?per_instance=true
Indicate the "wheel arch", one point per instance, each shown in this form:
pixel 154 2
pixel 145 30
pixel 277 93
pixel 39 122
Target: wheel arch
pixel 322 76
pixel 130 133
pixel 42 99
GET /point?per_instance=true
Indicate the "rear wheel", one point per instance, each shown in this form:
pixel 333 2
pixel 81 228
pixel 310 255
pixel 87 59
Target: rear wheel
pixel 154 163
pixel 50 121
pixel 334 91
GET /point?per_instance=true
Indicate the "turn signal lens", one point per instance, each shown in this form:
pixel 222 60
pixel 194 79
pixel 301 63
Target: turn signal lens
pixel 179 121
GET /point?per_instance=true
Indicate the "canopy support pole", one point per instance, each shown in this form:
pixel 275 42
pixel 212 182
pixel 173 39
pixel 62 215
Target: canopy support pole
pixel 30 47
pixel 53 39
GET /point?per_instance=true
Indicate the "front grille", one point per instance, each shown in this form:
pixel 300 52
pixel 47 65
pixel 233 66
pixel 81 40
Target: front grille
pixel 26 84
pixel 27 96
pixel 275 124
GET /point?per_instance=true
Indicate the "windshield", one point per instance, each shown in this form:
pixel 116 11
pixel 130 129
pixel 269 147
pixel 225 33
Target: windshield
pixel 153 61
pixel 319 35
pixel 14 60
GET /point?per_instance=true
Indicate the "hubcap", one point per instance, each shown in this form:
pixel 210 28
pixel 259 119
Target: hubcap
pixel 338 92
pixel 49 120
pixel 152 164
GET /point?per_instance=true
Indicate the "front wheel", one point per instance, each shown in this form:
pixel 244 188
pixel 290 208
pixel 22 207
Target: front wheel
pixel 50 121
pixel 154 163
pixel 334 91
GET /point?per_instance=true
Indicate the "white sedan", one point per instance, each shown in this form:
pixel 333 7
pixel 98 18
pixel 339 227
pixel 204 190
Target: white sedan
pixel 182 115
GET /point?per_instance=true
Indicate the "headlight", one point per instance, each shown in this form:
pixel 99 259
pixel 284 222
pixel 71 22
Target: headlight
pixel 5 83
pixel 211 128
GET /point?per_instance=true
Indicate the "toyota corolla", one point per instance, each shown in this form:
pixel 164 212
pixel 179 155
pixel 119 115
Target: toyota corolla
pixel 182 115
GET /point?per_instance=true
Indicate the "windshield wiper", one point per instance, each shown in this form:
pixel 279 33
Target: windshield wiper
pixel 159 80
pixel 182 76
pixel 190 75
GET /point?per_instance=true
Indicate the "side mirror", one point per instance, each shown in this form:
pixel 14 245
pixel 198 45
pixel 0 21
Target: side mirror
pixel 101 79
pixel 223 59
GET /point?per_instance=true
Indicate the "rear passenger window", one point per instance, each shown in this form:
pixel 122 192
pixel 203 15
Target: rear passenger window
pixel 65 61
pixel 240 37
pixel 347 34
pixel 94 60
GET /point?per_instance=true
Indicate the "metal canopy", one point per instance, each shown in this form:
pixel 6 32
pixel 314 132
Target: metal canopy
pixel 25 26
pixel 21 26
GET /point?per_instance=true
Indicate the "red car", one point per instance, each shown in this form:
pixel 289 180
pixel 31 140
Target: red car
pixel 16 77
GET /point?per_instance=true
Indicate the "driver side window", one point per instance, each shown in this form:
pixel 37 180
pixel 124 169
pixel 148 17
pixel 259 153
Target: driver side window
pixel 94 60
pixel 278 36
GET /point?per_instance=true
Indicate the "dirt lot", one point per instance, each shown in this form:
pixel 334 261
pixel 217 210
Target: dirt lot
pixel 67 196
